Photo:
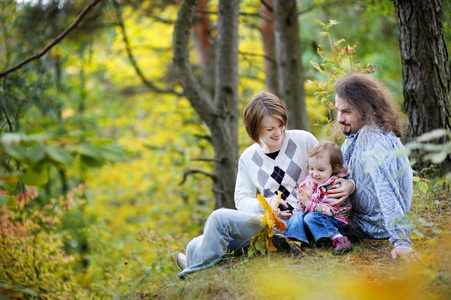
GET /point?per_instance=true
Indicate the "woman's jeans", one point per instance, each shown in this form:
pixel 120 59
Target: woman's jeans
pixel 221 227
pixel 303 225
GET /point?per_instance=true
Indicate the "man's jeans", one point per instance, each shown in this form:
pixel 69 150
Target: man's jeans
pixel 301 226
pixel 221 227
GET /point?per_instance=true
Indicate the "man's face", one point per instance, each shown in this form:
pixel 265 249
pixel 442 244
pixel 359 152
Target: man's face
pixel 348 117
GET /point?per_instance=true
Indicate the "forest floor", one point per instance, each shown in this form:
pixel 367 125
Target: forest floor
pixel 368 272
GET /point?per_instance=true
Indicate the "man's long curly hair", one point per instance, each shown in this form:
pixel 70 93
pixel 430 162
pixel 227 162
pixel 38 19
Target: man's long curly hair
pixel 372 100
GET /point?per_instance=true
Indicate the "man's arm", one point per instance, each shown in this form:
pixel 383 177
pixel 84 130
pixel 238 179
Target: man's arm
pixel 391 177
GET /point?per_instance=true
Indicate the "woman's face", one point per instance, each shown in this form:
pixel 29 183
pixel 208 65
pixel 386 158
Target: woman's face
pixel 272 133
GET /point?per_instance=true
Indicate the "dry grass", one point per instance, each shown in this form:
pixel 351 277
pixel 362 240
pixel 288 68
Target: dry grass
pixel 367 272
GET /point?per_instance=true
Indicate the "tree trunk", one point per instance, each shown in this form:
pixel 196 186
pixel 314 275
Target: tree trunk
pixel 289 63
pixel 426 81
pixel 204 48
pixel 267 30
pixel 221 115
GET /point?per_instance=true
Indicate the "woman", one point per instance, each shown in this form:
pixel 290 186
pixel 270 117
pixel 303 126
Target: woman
pixel 276 162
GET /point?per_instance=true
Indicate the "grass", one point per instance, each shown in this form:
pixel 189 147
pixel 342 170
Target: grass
pixel 368 272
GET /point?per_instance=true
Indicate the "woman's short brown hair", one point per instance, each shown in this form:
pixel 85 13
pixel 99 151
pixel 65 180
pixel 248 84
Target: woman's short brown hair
pixel 331 151
pixel 260 106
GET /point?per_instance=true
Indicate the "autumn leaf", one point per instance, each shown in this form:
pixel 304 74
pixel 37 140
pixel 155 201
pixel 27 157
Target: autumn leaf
pixel 261 241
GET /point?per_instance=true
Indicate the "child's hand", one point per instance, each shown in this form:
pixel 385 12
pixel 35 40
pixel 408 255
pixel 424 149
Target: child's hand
pixel 307 188
pixel 301 196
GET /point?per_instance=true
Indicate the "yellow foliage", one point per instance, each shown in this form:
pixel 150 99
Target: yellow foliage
pixel 261 241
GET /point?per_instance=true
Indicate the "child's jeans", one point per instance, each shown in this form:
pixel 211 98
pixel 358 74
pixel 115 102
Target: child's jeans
pixel 320 226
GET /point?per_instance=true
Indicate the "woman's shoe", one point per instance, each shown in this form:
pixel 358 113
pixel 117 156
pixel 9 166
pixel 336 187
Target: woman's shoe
pixel 181 261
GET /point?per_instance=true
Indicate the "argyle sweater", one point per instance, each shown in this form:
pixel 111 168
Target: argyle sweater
pixel 383 184
pixel 319 202
pixel 258 173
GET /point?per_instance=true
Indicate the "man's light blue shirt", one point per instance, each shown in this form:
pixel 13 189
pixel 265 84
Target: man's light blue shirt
pixel 383 184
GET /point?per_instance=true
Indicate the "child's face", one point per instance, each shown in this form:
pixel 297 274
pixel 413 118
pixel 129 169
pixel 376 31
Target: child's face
pixel 319 168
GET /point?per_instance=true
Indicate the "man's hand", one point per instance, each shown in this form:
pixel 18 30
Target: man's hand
pixel 340 193
pixel 407 253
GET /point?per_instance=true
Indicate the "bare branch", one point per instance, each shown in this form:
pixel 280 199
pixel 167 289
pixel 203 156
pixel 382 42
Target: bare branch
pixel 267 5
pixel 58 39
pixel 148 83
pixel 206 159
pixel 309 9
pixel 271 59
pixel 192 172
pixel 205 137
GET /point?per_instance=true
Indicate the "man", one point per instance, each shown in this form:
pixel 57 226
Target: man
pixel 383 180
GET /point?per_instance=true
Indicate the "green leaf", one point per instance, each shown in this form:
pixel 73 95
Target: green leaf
pixel 113 153
pixel 35 131
pixel 16 151
pixel 35 177
pixel 11 138
pixel 80 133
pixel 36 137
pixel 59 155
pixel 36 154
pixel 91 162
pixel 434 134
pixel 437 157
pixel 90 150
pixel 423 186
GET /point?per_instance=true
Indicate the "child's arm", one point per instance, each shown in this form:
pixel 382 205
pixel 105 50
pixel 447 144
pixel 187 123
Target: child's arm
pixel 302 198
pixel 322 208
pixel 323 205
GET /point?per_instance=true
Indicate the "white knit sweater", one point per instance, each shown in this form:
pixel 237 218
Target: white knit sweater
pixel 258 173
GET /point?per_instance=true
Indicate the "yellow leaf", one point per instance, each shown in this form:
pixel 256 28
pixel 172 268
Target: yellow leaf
pixel 264 203
pixel 269 221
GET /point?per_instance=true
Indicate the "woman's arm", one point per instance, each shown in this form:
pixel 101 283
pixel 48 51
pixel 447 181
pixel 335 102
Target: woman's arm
pixel 246 191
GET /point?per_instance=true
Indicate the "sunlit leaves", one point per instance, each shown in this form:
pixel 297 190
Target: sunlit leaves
pixel 32 255
pixel 337 61
pixel 33 152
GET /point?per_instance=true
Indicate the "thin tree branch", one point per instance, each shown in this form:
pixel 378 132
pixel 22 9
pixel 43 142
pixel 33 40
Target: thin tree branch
pixel 207 160
pixel 58 39
pixel 309 9
pixel 205 137
pixel 132 59
pixel 258 55
pixel 192 172
pixel 267 5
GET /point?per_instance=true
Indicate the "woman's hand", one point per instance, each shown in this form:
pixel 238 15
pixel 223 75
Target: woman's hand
pixel 340 193
pixel 283 214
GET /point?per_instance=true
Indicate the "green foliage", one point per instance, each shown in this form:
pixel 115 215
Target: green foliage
pixel 336 61
pixel 434 146
pixel 122 242
pixel 32 256
pixel 31 153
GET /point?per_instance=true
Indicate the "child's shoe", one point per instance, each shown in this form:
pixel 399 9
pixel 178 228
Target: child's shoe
pixel 285 244
pixel 341 244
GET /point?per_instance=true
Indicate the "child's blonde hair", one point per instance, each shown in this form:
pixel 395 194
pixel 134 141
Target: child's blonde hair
pixel 333 152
